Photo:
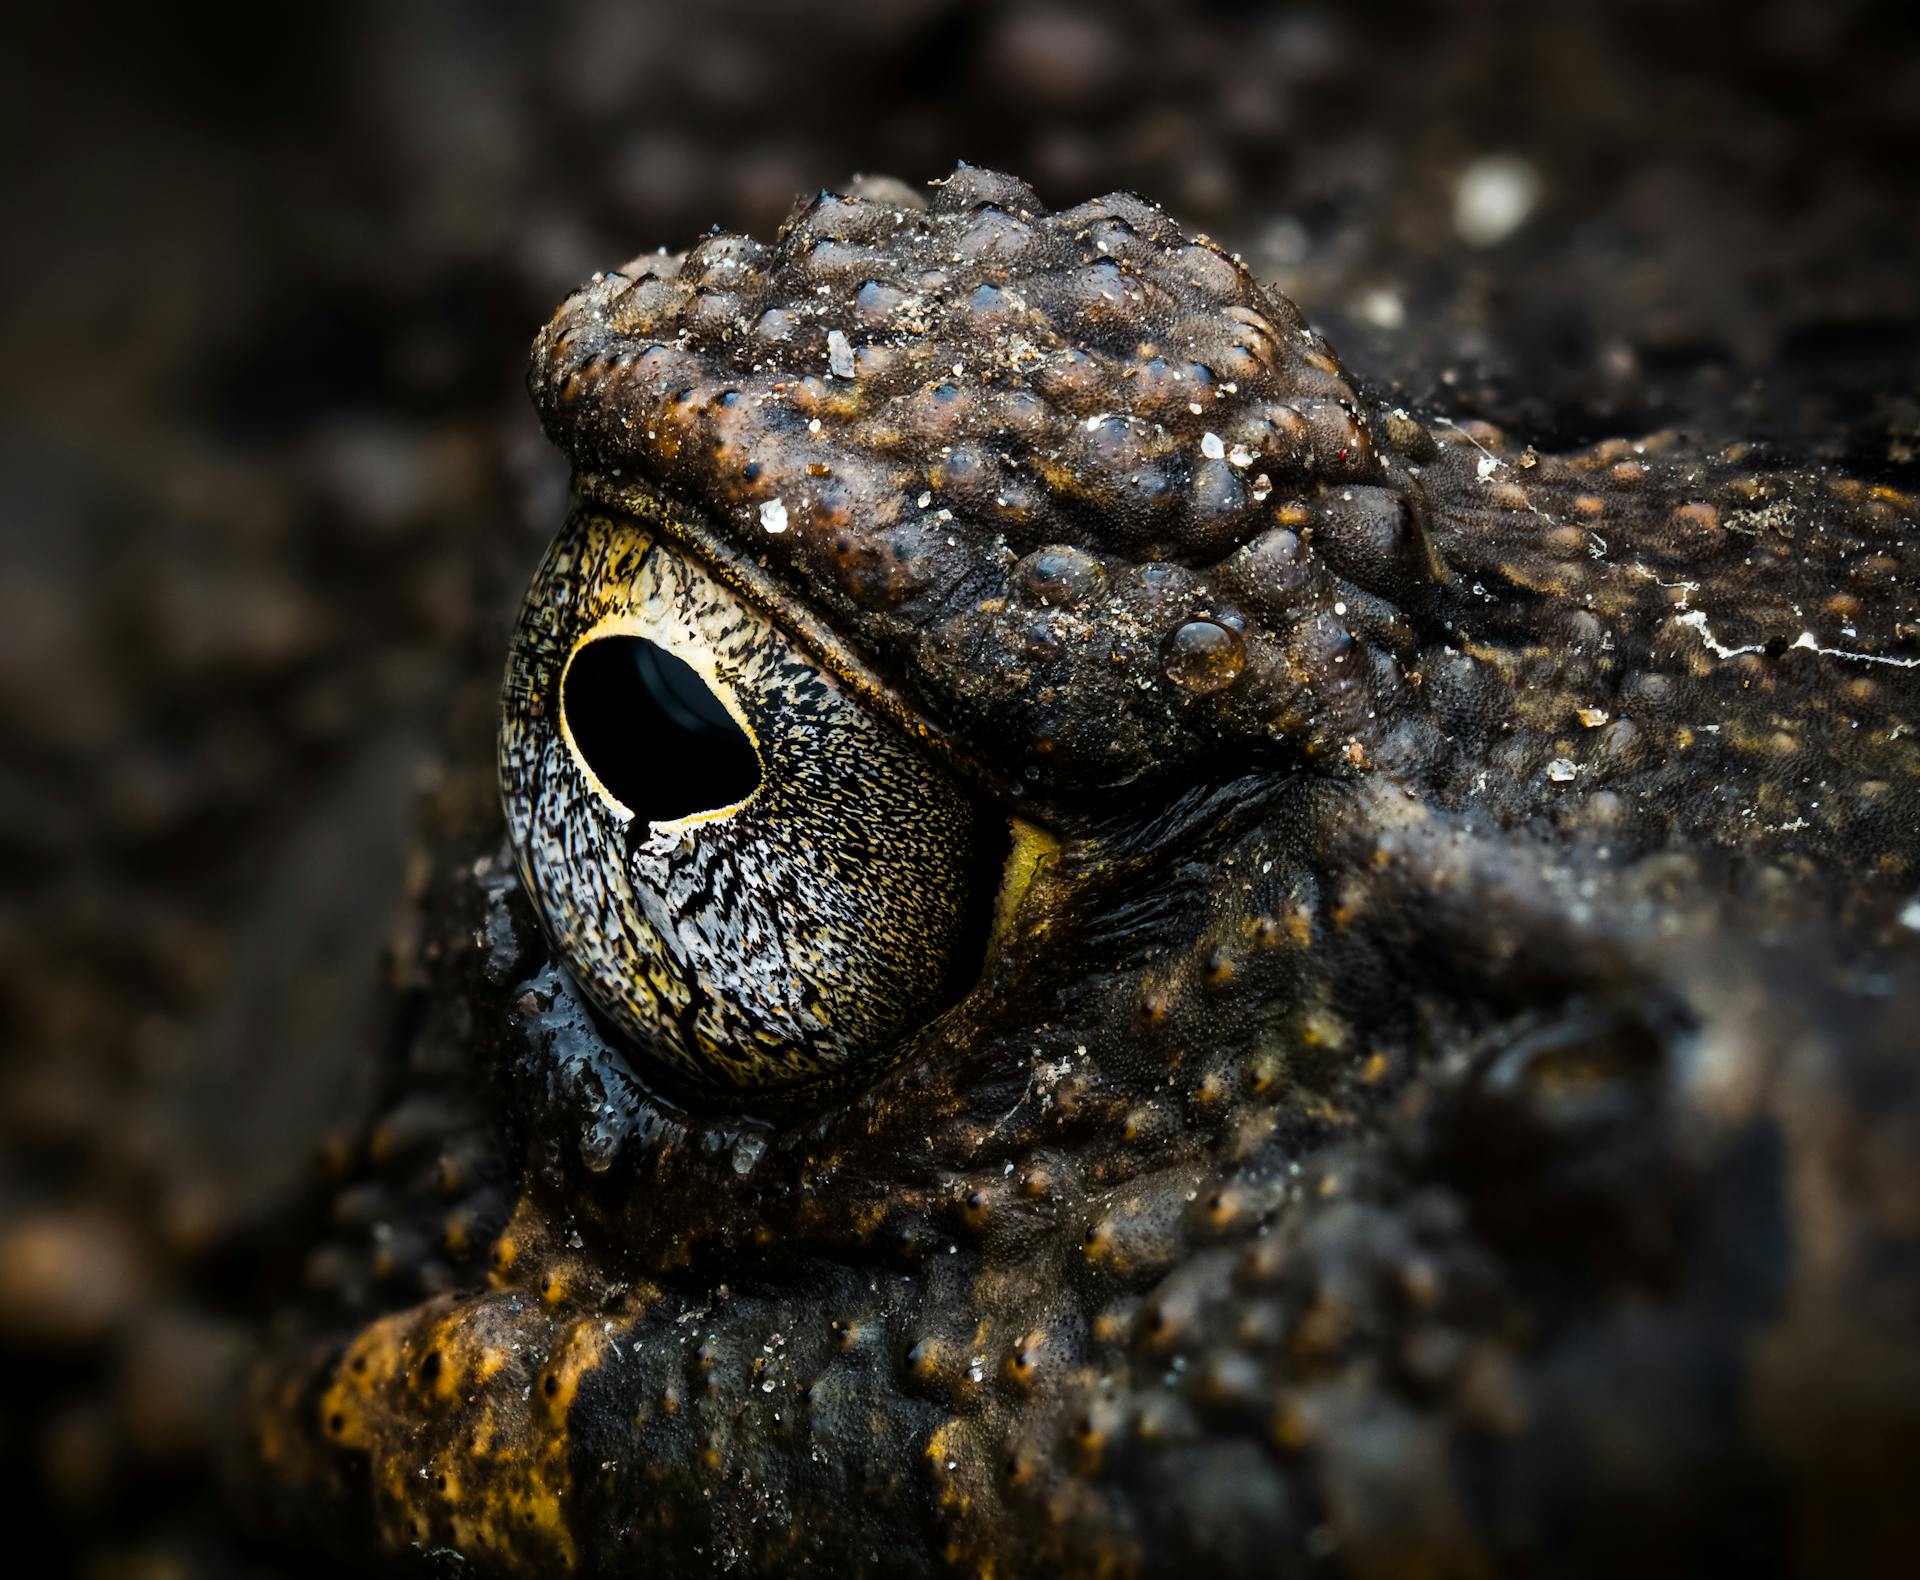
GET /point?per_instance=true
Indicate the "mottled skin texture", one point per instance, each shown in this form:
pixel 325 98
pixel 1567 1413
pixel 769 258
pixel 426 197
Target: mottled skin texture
pixel 1447 1105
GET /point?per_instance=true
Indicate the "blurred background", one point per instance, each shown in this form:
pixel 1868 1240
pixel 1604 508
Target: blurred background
pixel 270 488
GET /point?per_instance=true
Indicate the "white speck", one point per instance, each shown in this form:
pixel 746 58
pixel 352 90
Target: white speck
pixel 1240 456
pixel 1910 915
pixel 1383 309
pixel 1485 467
pixel 1212 447
pixel 926 499
pixel 1093 422
pixel 1339 608
pixel 813 425
pixel 839 354
pixel 1561 770
pixel 1494 198
pixel 1195 407
pixel 1262 486
pixel 959 368
pixel 773 515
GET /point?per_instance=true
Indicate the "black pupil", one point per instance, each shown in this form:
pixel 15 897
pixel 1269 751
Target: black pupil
pixel 653 733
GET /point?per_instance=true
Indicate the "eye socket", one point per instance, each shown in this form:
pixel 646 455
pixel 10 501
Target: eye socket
pixel 761 883
pixel 653 733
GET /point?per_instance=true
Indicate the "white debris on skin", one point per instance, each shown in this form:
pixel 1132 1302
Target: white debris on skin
pixel 839 354
pixel 1561 770
pixel 773 515
pixel 1213 447
pixel 1806 641
pixel 1697 620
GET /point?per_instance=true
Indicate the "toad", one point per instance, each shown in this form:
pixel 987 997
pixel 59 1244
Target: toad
pixel 1107 954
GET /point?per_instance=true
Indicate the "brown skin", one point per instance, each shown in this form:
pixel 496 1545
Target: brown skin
pixel 1443 1104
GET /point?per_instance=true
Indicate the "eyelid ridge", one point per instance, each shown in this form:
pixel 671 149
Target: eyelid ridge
pixel 646 510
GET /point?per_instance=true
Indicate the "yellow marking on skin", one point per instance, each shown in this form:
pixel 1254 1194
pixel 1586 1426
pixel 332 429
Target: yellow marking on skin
pixel 1034 849
pixel 1263 1071
pixel 579 1351
pixel 524 1228
pixel 348 1407
pixel 950 1455
pixel 1321 1029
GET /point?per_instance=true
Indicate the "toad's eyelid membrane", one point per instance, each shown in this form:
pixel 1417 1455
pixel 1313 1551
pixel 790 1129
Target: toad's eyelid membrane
pixel 767 940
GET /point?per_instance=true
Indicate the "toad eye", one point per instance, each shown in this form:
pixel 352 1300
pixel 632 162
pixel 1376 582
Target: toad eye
pixel 757 880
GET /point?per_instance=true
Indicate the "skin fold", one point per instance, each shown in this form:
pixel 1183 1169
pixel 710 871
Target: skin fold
pixel 1437 1095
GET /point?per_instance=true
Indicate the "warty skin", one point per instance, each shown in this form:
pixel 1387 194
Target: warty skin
pixel 1438 1096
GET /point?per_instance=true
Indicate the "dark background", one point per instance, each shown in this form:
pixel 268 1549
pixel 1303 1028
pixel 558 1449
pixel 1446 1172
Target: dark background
pixel 269 486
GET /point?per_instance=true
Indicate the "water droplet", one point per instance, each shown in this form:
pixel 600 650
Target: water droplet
pixel 1203 656
pixel 1060 576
